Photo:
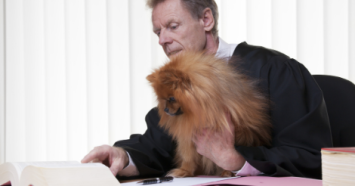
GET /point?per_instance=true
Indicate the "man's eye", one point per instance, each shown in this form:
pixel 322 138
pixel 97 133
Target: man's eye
pixel 173 27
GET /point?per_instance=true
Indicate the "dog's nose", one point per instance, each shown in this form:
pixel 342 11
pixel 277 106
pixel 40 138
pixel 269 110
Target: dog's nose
pixel 166 109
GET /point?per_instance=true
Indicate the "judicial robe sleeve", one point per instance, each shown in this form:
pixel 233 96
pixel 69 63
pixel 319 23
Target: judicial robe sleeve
pixel 152 152
pixel 298 114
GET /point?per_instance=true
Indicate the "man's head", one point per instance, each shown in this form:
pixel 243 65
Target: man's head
pixel 185 25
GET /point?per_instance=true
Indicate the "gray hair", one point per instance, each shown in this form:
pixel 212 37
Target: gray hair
pixel 196 8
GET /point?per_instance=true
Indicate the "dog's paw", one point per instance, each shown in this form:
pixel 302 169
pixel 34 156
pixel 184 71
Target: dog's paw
pixel 180 173
pixel 226 173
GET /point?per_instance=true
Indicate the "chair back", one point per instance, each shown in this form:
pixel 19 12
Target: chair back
pixel 339 96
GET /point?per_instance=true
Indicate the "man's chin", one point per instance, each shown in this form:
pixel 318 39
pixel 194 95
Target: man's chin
pixel 171 54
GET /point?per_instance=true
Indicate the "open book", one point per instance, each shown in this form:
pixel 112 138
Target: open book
pixel 56 174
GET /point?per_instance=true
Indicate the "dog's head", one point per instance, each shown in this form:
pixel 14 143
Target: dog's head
pixel 186 85
pixel 193 92
pixel 169 84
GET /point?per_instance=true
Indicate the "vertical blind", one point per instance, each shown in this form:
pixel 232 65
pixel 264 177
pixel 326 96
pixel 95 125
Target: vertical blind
pixel 2 85
pixel 72 72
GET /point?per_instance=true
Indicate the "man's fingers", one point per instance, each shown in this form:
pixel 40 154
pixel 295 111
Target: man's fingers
pixel 202 136
pixel 95 160
pixel 116 166
pixel 98 154
pixel 89 157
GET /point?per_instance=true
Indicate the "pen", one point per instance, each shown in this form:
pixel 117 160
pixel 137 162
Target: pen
pixel 156 180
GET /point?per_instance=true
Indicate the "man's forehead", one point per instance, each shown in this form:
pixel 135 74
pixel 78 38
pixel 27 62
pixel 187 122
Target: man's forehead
pixel 167 12
pixel 165 21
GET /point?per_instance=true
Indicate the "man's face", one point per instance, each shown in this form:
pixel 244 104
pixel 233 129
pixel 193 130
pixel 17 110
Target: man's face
pixel 177 29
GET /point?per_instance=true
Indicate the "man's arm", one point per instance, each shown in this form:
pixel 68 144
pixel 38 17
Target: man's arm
pixel 152 152
pixel 298 113
pixel 115 158
pixel 130 170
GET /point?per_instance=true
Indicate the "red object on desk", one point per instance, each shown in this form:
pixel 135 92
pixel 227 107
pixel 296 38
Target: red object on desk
pixel 267 181
pixel 340 149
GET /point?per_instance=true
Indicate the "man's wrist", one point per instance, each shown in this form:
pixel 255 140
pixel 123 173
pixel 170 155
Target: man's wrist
pixel 247 170
pixel 130 169
pixel 126 157
pixel 233 161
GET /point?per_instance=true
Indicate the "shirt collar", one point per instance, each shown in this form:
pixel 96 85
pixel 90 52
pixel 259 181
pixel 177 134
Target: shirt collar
pixel 225 50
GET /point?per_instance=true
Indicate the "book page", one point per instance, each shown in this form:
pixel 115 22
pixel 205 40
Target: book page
pixel 64 174
pixel 53 164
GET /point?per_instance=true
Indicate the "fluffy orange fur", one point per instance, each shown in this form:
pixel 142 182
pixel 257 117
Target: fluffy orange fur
pixel 194 91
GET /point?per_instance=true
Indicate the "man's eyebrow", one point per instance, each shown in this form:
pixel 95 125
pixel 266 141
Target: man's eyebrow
pixel 166 24
pixel 170 21
pixel 155 30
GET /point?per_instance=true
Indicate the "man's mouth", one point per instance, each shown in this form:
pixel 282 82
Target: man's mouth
pixel 173 52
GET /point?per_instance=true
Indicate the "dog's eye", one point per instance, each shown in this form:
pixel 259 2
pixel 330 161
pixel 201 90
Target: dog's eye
pixel 171 99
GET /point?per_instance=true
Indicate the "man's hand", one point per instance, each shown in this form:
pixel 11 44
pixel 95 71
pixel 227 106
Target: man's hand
pixel 114 157
pixel 219 147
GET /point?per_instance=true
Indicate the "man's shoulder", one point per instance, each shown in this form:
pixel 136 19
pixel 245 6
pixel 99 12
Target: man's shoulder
pixel 258 62
pixel 253 52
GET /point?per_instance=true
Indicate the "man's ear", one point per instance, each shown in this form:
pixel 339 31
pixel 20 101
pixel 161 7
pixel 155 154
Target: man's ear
pixel 207 19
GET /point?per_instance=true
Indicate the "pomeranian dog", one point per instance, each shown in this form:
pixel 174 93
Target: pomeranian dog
pixel 194 92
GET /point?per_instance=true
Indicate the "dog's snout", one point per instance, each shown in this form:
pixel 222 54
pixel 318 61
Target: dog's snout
pixel 166 109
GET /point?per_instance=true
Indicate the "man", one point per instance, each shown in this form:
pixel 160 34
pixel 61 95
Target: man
pixel 298 112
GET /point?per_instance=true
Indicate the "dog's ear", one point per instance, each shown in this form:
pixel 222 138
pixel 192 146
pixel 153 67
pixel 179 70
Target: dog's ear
pixel 175 79
pixel 152 77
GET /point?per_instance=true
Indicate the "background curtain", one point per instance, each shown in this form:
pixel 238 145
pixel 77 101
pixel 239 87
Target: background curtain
pixel 72 72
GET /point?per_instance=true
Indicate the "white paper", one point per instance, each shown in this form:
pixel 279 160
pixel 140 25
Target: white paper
pixel 181 181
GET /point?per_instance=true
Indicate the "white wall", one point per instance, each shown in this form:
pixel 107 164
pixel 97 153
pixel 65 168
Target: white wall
pixel 72 72
pixel 351 20
pixel 2 85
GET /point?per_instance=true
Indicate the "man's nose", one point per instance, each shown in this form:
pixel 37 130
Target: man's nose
pixel 164 38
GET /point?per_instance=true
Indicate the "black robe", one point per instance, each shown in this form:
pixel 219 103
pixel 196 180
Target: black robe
pixel 298 113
